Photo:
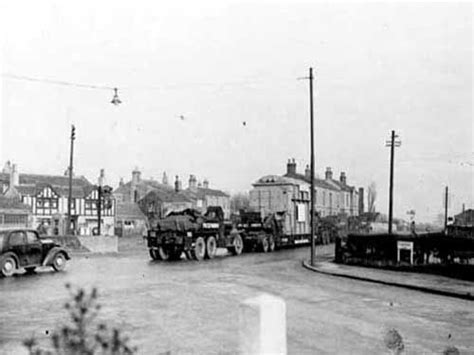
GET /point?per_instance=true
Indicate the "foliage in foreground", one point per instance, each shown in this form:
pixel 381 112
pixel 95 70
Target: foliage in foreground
pixel 394 343
pixel 84 335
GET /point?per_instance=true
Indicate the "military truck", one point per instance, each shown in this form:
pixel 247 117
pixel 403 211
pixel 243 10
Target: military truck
pixel 196 235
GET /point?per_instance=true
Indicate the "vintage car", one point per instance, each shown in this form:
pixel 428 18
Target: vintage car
pixel 24 248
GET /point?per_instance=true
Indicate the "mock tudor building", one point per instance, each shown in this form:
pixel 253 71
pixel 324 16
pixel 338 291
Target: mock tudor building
pixel 332 197
pixel 47 197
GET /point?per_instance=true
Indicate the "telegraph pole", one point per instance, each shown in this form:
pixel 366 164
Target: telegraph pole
pixel 99 207
pixel 69 200
pixel 311 115
pixel 392 144
pixel 446 208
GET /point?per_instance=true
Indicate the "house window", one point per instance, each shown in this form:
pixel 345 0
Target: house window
pixel 301 212
pixel 47 202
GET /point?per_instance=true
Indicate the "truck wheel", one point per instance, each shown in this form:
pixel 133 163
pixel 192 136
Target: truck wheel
pixel 211 247
pixel 163 253
pixel 189 254
pixel 271 243
pixel 154 254
pixel 199 250
pixel 59 262
pixel 8 266
pixel 264 245
pixel 176 254
pixel 237 245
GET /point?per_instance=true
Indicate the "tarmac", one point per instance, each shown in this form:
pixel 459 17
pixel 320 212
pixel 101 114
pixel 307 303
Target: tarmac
pixel 422 282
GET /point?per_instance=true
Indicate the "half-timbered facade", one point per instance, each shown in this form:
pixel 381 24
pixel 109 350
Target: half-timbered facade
pixel 47 197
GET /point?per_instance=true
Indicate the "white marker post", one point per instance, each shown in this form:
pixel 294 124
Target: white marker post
pixel 262 325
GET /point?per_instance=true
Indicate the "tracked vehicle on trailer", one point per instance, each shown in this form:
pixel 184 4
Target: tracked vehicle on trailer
pixel 196 235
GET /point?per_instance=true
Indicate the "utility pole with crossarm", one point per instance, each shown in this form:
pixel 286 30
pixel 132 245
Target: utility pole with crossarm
pixel 392 143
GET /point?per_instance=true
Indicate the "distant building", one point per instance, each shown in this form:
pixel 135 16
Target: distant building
pixel 130 220
pixel 203 197
pixel 47 196
pixel 332 197
pixel 166 198
pixel 13 213
pixel 464 219
pixel 159 202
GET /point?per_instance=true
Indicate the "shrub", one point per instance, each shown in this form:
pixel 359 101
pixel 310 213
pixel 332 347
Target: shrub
pixel 84 335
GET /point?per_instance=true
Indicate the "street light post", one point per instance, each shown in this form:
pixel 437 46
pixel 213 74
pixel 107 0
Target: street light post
pixel 311 115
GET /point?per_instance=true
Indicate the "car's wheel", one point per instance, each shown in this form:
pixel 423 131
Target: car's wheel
pixel 199 250
pixel 264 245
pixel 8 266
pixel 154 254
pixel 163 253
pixel 211 247
pixel 59 262
pixel 30 270
pixel 271 243
pixel 237 245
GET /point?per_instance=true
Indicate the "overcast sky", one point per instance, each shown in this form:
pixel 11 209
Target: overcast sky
pixel 379 66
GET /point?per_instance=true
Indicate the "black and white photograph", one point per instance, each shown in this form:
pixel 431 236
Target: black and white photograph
pixel 249 177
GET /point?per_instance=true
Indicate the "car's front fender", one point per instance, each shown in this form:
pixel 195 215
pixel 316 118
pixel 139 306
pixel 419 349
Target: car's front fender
pixel 49 258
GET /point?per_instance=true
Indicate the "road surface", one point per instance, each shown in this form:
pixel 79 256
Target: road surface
pixel 192 308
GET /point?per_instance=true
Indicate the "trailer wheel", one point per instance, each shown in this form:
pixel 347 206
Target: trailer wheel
pixel 199 250
pixel 154 254
pixel 237 245
pixel 163 253
pixel 211 247
pixel 271 243
pixel 264 245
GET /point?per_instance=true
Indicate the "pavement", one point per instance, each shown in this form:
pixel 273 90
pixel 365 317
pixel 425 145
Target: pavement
pixel 435 284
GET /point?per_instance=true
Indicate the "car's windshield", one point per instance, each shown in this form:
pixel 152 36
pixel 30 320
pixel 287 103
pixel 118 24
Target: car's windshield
pixel 2 237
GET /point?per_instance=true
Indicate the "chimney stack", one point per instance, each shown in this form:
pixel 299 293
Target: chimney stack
pixel 343 178
pixel 192 182
pixel 101 179
pixel 121 183
pixel 291 166
pixel 177 184
pixel 328 173
pixel 7 168
pixel 136 174
pixel 164 180
pixel 205 184
pixel 14 176
pixel 307 172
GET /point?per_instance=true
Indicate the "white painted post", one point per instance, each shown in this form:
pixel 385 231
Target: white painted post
pixel 262 326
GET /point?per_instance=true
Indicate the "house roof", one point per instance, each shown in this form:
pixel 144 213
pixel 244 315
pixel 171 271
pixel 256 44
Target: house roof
pixel 59 180
pixel 129 210
pixel 317 182
pixel 167 195
pixel 202 192
pixel 273 179
pixel 32 184
pixel 12 205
